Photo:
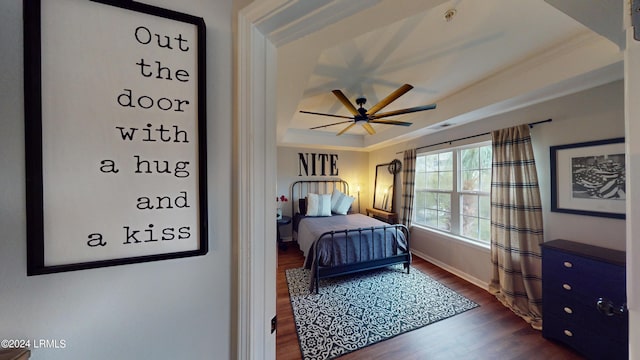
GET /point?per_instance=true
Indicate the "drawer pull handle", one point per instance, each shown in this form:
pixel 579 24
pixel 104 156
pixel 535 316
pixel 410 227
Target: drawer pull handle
pixel 568 332
pixel 606 307
pixel 567 264
pixel 566 287
pixel 568 310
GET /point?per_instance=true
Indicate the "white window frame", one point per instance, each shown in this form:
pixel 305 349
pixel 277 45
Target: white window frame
pixel 456 194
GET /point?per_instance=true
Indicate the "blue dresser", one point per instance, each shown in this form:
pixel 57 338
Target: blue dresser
pixel 584 298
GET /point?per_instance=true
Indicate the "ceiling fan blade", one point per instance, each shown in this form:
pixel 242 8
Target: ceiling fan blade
pixel 369 128
pixel 345 129
pixel 389 99
pixel 323 114
pixel 343 99
pixel 324 126
pixel 391 122
pixel 405 111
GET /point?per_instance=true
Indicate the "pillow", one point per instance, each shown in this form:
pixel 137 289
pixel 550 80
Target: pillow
pixel 341 202
pixel 302 206
pixel 318 204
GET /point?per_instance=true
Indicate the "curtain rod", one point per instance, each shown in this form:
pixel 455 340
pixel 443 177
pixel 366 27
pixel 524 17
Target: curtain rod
pixel 472 136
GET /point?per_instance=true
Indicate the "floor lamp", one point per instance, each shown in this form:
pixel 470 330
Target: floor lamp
pixel 358 190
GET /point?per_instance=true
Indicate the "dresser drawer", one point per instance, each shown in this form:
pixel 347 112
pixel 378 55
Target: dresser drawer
pixel 591 344
pixel 588 279
pixel 580 315
pixel 583 291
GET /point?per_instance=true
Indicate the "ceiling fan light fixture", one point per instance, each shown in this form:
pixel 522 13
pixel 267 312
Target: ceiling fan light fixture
pixel 364 117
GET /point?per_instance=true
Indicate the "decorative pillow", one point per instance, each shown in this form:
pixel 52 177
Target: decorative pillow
pixel 318 204
pixel 341 202
pixel 302 205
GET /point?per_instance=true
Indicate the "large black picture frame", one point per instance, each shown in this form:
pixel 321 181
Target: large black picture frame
pixel 589 178
pixel 79 105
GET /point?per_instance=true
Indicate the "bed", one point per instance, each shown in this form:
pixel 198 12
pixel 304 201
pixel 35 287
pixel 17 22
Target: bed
pixel 345 242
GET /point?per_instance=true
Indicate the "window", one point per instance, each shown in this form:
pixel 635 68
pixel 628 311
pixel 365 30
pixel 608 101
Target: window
pixel 452 189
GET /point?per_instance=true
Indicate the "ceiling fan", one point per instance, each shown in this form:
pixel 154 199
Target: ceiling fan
pixel 366 117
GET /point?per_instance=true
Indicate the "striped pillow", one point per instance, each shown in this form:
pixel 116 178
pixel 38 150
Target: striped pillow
pixel 318 204
pixel 341 202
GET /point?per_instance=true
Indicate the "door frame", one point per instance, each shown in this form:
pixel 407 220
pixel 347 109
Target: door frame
pixel 255 158
pixel 254 178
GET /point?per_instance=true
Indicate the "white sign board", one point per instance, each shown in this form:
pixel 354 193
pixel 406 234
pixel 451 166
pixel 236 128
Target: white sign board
pixel 115 117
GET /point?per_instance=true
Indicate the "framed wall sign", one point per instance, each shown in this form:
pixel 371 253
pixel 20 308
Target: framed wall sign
pixel 115 134
pixel 589 178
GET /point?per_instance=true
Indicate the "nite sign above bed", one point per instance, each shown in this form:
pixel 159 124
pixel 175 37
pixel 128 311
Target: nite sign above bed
pixel 318 164
pixel 116 144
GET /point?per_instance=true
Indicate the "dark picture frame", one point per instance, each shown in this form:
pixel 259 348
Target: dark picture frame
pixel 589 178
pixel 115 134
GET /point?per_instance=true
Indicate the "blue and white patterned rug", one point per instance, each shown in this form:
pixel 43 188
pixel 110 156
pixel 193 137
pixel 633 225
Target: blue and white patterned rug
pixel 355 311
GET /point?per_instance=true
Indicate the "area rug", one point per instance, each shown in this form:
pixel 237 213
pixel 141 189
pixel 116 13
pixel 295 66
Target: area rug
pixel 354 311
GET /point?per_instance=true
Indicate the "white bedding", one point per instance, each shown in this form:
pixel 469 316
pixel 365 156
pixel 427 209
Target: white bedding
pixel 310 228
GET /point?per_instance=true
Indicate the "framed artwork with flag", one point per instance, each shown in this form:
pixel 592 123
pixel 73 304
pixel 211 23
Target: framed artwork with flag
pixel 589 178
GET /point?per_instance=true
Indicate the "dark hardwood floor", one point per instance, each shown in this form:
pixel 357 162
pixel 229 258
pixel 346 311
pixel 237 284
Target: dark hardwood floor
pixel 490 331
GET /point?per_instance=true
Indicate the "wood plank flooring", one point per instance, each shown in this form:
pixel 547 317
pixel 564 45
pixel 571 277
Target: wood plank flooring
pixel 490 331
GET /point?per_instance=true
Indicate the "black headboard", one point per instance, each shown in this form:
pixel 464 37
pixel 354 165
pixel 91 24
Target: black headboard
pixel 301 188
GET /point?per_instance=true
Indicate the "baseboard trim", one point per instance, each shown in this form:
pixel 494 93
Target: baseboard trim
pixel 473 280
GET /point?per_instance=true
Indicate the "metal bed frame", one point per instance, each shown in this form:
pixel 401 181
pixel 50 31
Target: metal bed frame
pixel 388 259
pixel 303 187
pixel 322 272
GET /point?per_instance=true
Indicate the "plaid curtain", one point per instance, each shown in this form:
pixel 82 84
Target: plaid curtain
pixel 408 184
pixel 516 225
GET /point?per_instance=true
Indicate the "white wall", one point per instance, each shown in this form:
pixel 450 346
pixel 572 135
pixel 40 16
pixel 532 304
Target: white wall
pixel 589 115
pixel 353 167
pixel 173 309
pixel 592 115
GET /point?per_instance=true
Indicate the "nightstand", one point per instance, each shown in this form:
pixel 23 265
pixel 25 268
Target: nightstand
pixel 388 217
pixel 285 220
